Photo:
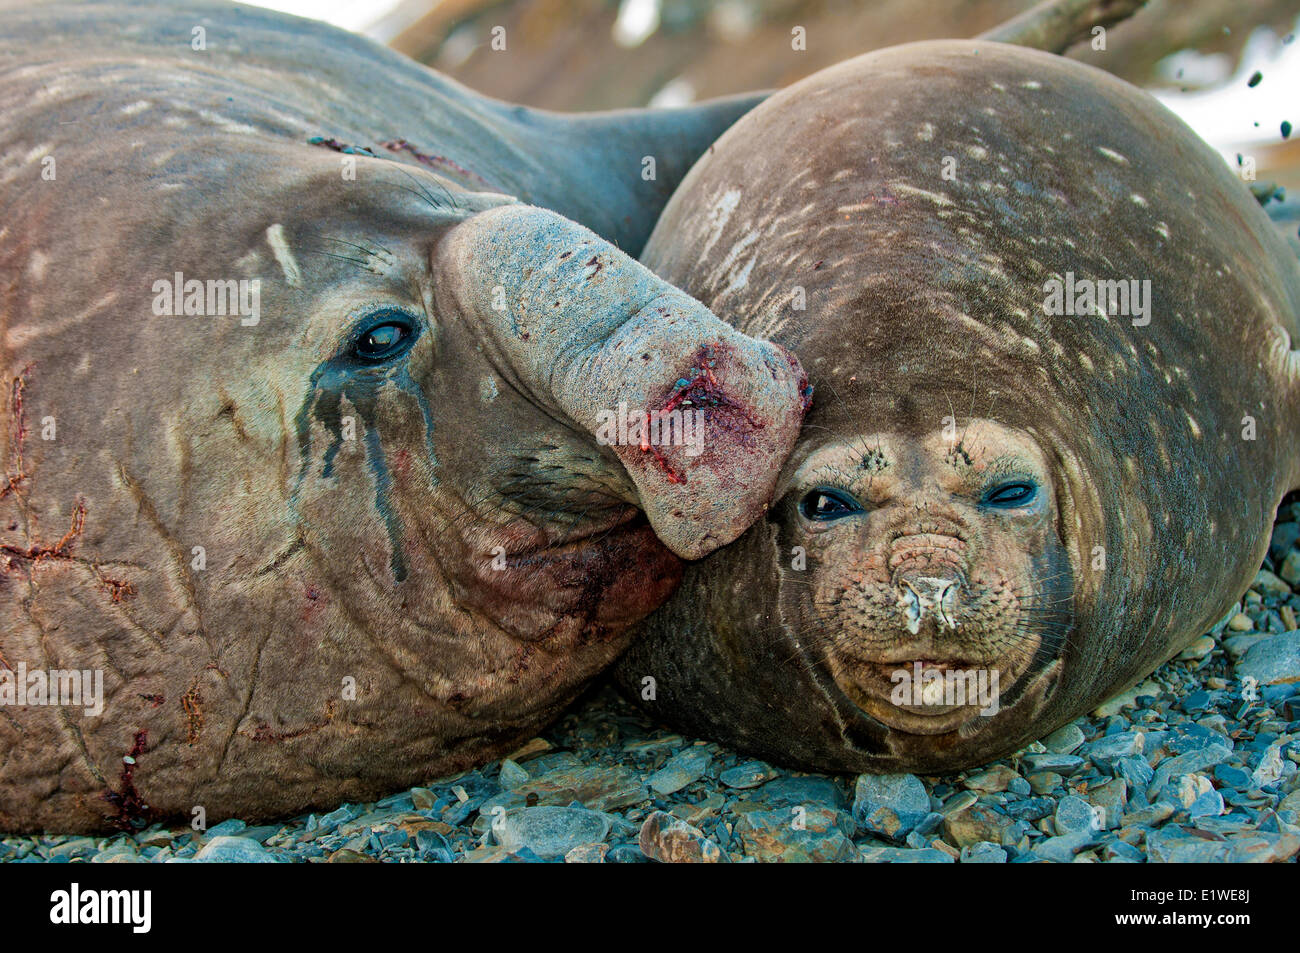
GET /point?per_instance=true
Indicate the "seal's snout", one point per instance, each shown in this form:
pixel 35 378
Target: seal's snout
pixel 930 594
pixel 700 416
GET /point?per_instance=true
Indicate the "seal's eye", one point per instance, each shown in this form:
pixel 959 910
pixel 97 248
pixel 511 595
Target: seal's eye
pixel 827 503
pixel 1011 495
pixel 384 336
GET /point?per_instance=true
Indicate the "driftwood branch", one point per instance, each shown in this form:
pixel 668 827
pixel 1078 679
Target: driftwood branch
pixel 1057 25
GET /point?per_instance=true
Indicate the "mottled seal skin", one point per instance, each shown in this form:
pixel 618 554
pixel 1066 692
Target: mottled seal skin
pixel 981 486
pixel 362 532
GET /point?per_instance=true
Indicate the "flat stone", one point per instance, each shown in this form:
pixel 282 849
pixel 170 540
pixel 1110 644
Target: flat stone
pixel 226 828
pixel 587 854
pixel 976 823
pixel 1259 847
pixel 512 775
pixel 1238 645
pixel 748 775
pixel 783 836
pixel 649 746
pixel 1135 771
pixel 234 850
pixel 1044 782
pixel 347 855
pixel 1207 804
pixel 1173 845
pixel 1241 623
pixel 1064 740
pixel 1148 816
pixel 551 831
pixel 992 781
pixel 1267 582
pixel 682 769
pixel 1274 660
pixel 1198 649
pixel 889 804
pixel 1061 849
pixel 983 852
pixel 533 748
pixel 72 847
pixel 668 840
pixel 1110 799
pixel 1189 763
pixel 1030 809
pixel 1074 815
pixel 1290 568
pixel 496 854
pixel 599 788
pixel 806 792
pixel 1062 764
pixel 1126 699
pixel 905 855
pixel 1119 852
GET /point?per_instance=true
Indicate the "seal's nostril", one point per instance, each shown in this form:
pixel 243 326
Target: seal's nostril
pixel 924 593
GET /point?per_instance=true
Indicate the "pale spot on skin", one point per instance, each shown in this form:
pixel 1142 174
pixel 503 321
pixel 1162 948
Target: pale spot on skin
pixel 733 256
pixel 1138 200
pixel 926 132
pixel 741 278
pixel 228 125
pixel 1086 363
pixel 1162 229
pixel 36 266
pixel 719 215
pixel 19 337
pixel 280 248
pixel 1112 155
pixel 1194 426
pixel 934 197
pixel 136 107
pixel 488 390
pixel 977 152
pixel 1031 84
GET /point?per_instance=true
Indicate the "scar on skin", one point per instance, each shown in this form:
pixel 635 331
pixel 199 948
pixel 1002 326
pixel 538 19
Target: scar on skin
pixel 284 255
pixel 265 732
pixel 190 702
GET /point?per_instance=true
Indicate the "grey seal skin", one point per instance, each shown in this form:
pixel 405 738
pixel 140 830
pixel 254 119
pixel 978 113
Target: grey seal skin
pixel 302 450
pixel 987 484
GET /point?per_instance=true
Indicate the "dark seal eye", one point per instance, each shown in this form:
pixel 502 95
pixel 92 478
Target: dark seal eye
pixel 1010 495
pixel 827 503
pixel 384 336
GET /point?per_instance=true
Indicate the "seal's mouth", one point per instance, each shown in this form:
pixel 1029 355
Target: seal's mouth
pixel 928 693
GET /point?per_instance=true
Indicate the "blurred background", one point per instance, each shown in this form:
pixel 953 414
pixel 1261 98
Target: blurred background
pixel 1197 56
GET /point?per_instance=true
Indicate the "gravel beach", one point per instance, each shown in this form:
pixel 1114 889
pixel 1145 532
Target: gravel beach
pixel 1196 763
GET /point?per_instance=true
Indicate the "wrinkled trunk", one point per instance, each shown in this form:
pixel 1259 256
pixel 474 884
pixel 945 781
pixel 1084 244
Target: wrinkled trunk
pixel 701 416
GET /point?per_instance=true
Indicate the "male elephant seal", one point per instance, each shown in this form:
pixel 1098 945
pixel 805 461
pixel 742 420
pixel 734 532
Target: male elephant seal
pixel 303 450
pixel 1014 479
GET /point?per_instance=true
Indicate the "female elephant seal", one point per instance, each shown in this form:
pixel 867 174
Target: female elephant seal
pixel 1019 489
pixel 304 494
